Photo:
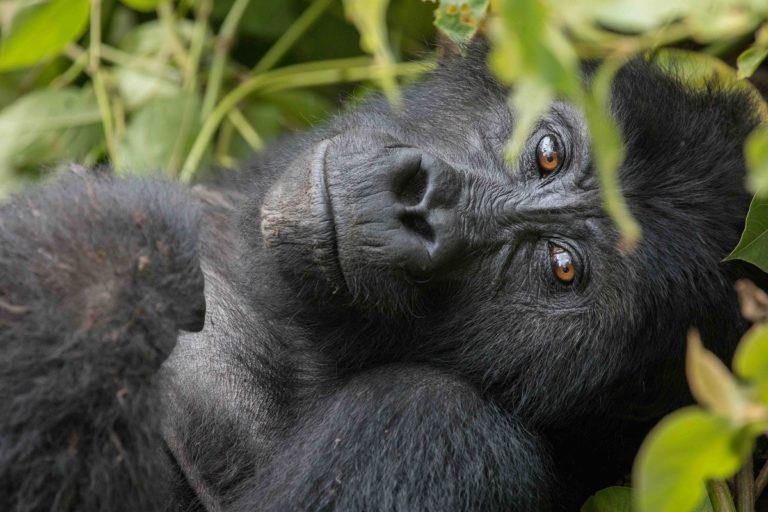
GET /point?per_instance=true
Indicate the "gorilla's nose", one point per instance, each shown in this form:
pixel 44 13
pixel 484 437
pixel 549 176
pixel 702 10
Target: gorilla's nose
pixel 394 209
pixel 429 235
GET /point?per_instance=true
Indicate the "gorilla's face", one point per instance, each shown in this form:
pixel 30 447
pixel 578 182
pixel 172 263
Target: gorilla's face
pixel 417 215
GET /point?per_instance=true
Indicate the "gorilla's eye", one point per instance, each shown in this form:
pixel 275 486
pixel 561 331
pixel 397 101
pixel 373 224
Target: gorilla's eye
pixel 548 155
pixel 563 265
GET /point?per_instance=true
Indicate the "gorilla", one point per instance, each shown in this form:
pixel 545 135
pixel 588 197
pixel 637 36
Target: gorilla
pixel 380 314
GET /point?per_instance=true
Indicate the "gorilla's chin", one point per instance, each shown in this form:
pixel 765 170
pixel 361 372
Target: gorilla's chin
pixel 297 225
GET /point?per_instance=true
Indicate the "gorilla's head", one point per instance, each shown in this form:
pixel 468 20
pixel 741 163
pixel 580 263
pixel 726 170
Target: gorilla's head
pixel 512 273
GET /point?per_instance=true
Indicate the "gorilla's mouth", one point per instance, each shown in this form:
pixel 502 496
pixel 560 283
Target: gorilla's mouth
pixel 298 223
pixel 321 188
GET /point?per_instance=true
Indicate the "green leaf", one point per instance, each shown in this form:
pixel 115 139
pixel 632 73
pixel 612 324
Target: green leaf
pixel 684 450
pixel 612 499
pixel 712 385
pixel 527 45
pixel 608 149
pixel 152 135
pixel 751 358
pixel 756 155
pixel 529 101
pixel 749 60
pixel 632 16
pixel 48 126
pixel 751 362
pixel 42 31
pixel 142 5
pixel 460 19
pixel 369 16
pixel 753 246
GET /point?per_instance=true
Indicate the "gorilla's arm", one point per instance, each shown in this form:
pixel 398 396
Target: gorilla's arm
pixel 406 438
pixel 97 275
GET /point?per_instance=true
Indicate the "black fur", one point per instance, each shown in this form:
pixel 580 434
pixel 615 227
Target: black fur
pixel 343 367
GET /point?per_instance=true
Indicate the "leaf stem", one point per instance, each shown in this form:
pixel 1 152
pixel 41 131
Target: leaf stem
pixel 190 84
pixel 222 45
pixel 720 496
pixel 99 84
pixel 290 36
pixel 168 20
pixel 761 481
pixel 745 487
pixel 77 67
pixel 244 128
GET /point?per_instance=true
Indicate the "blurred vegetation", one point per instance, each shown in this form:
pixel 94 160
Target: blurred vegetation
pixel 176 87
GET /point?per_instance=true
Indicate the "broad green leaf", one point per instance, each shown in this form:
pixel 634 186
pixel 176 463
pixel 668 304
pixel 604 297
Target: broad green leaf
pixel 630 15
pixel 370 16
pixel 460 19
pixel 48 126
pixel 719 23
pixel 142 5
pixel 753 246
pixel 750 59
pixel 712 385
pixel 612 499
pixel 152 135
pixel 684 450
pixel 42 31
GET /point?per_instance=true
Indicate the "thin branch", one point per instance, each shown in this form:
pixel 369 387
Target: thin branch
pixel 246 131
pixel 221 49
pixel 99 84
pixel 290 36
pixel 77 68
pixel 761 481
pixel 168 20
pixel 720 496
pixel 745 488
pixel 190 84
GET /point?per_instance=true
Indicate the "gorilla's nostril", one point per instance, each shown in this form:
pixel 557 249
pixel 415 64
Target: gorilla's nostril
pixel 413 188
pixel 418 225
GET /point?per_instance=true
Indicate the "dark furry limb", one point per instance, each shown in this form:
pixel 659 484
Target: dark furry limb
pixel 406 438
pixel 97 275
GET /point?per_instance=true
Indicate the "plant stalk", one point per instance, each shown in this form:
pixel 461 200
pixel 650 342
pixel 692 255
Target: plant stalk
pixel 745 488
pixel 720 496
pixel 290 36
pixel 222 45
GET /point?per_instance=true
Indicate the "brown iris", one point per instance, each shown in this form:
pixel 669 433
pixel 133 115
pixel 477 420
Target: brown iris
pixel 547 155
pixel 563 265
